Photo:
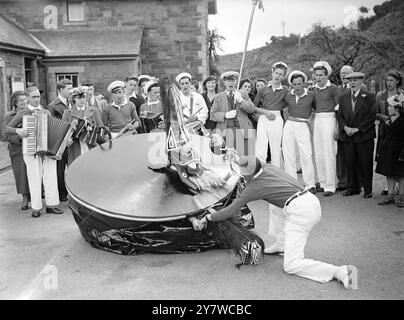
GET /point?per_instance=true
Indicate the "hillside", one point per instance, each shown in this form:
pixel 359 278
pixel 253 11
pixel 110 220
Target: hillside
pixel 385 29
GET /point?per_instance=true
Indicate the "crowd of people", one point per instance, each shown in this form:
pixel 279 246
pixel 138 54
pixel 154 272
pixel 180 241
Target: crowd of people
pixel 324 131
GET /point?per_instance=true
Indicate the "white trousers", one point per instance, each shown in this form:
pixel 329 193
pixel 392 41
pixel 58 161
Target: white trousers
pixel 39 170
pixel 325 149
pixel 269 131
pixel 297 134
pixel 299 217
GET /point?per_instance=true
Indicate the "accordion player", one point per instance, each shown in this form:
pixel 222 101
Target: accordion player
pixel 151 121
pixel 47 135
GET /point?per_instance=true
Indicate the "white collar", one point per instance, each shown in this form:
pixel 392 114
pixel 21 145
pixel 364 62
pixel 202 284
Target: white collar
pixel 63 99
pixel 81 108
pixel 357 93
pixel 228 92
pixel 119 106
pixel 258 173
pixel 152 103
pixel 134 95
pixel 32 108
pixel 304 94
pixel 326 85
pixel 280 87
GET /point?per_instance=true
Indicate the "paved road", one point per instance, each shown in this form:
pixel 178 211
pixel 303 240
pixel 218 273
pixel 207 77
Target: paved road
pixel 38 255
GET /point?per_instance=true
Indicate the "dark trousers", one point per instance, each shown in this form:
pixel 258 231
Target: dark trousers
pixel 61 167
pixel 342 173
pixel 359 156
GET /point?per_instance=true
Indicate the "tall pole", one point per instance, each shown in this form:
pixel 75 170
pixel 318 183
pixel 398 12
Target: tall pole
pixel 254 3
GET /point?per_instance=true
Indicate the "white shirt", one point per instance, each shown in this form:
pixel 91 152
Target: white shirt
pixel 198 103
pixel 280 87
pixel 32 108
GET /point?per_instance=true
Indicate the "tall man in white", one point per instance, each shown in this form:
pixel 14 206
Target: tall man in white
pixel 39 169
pixel 299 106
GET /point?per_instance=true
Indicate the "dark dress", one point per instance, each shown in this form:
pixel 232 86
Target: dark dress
pixel 210 124
pixel 17 160
pixel 391 150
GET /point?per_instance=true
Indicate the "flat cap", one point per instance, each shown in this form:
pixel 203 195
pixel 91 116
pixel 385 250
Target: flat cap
pixel 355 75
pixel 346 69
pixel 77 91
pixel 115 85
pixel 229 75
pixel 323 64
pixel 295 73
pixel 183 75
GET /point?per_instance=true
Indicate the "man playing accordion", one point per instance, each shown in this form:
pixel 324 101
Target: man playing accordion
pixel 151 112
pixel 40 169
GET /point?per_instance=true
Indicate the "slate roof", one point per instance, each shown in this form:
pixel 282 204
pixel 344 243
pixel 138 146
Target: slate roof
pixel 16 37
pixel 88 43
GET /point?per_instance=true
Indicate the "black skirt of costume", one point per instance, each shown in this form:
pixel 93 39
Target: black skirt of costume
pixel 391 150
pixel 19 168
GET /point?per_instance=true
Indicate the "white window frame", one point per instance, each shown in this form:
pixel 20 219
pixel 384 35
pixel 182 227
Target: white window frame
pixel 73 77
pixel 75 11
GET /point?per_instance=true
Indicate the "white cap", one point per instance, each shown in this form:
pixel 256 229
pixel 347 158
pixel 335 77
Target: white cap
pixel 278 64
pixel 115 84
pixel 143 77
pixel 323 64
pixel 297 72
pixel 183 75
pixel 148 84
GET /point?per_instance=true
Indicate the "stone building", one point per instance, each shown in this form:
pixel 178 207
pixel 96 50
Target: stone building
pixel 101 40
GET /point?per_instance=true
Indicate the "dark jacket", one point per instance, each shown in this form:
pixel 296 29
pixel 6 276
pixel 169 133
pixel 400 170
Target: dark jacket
pixel 362 118
pixel 56 108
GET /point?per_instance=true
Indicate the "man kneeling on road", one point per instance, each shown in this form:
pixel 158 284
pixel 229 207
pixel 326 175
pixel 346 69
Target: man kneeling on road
pixel 302 211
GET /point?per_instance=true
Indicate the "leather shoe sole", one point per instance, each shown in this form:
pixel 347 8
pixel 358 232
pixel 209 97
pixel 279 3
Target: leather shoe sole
pixel 54 210
pixel 350 193
pixel 328 194
pixel 386 202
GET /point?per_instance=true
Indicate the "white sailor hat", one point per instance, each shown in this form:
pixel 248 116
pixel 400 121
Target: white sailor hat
pixel 323 64
pixel 355 75
pixel 229 75
pixel 143 78
pixel 115 84
pixel 294 74
pixel 149 84
pixel 183 75
pixel 346 69
pixel 281 65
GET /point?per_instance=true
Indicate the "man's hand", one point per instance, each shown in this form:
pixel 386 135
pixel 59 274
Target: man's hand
pixel 69 142
pixel 231 114
pixel 269 115
pixel 192 119
pixel 240 95
pixel 22 132
pixel 197 224
pixel 74 124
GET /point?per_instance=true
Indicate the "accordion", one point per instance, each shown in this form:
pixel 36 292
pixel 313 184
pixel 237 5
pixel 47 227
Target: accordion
pixel 151 121
pixel 47 135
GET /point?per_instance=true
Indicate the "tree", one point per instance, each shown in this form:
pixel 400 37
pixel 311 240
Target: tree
pixel 214 45
pixel 362 50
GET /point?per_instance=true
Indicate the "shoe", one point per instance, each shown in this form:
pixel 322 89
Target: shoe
pixel 54 210
pixel 328 194
pixel 386 202
pixel 341 188
pixel 384 193
pixel 319 189
pixel 367 195
pixel 273 250
pixel 350 193
pixel 313 190
pixel 64 198
pixel 400 203
pixel 36 214
pixel 24 207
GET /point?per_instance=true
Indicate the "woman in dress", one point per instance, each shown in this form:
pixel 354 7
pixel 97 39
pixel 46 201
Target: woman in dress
pixel 18 102
pixel 390 161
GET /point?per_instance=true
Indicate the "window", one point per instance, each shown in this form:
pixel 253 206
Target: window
pixel 73 77
pixel 75 10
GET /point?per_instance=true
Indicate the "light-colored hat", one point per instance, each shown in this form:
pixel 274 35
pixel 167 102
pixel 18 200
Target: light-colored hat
pixel 295 73
pixel 31 89
pixel 183 75
pixel 323 64
pixel 143 77
pixel 355 75
pixel 77 91
pixel 115 84
pixel 346 69
pixel 149 84
pixel 229 74
pixel 396 100
pixel 280 64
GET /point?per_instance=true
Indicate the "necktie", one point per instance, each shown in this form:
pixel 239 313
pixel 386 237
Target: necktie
pixel 231 100
pixel 353 102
